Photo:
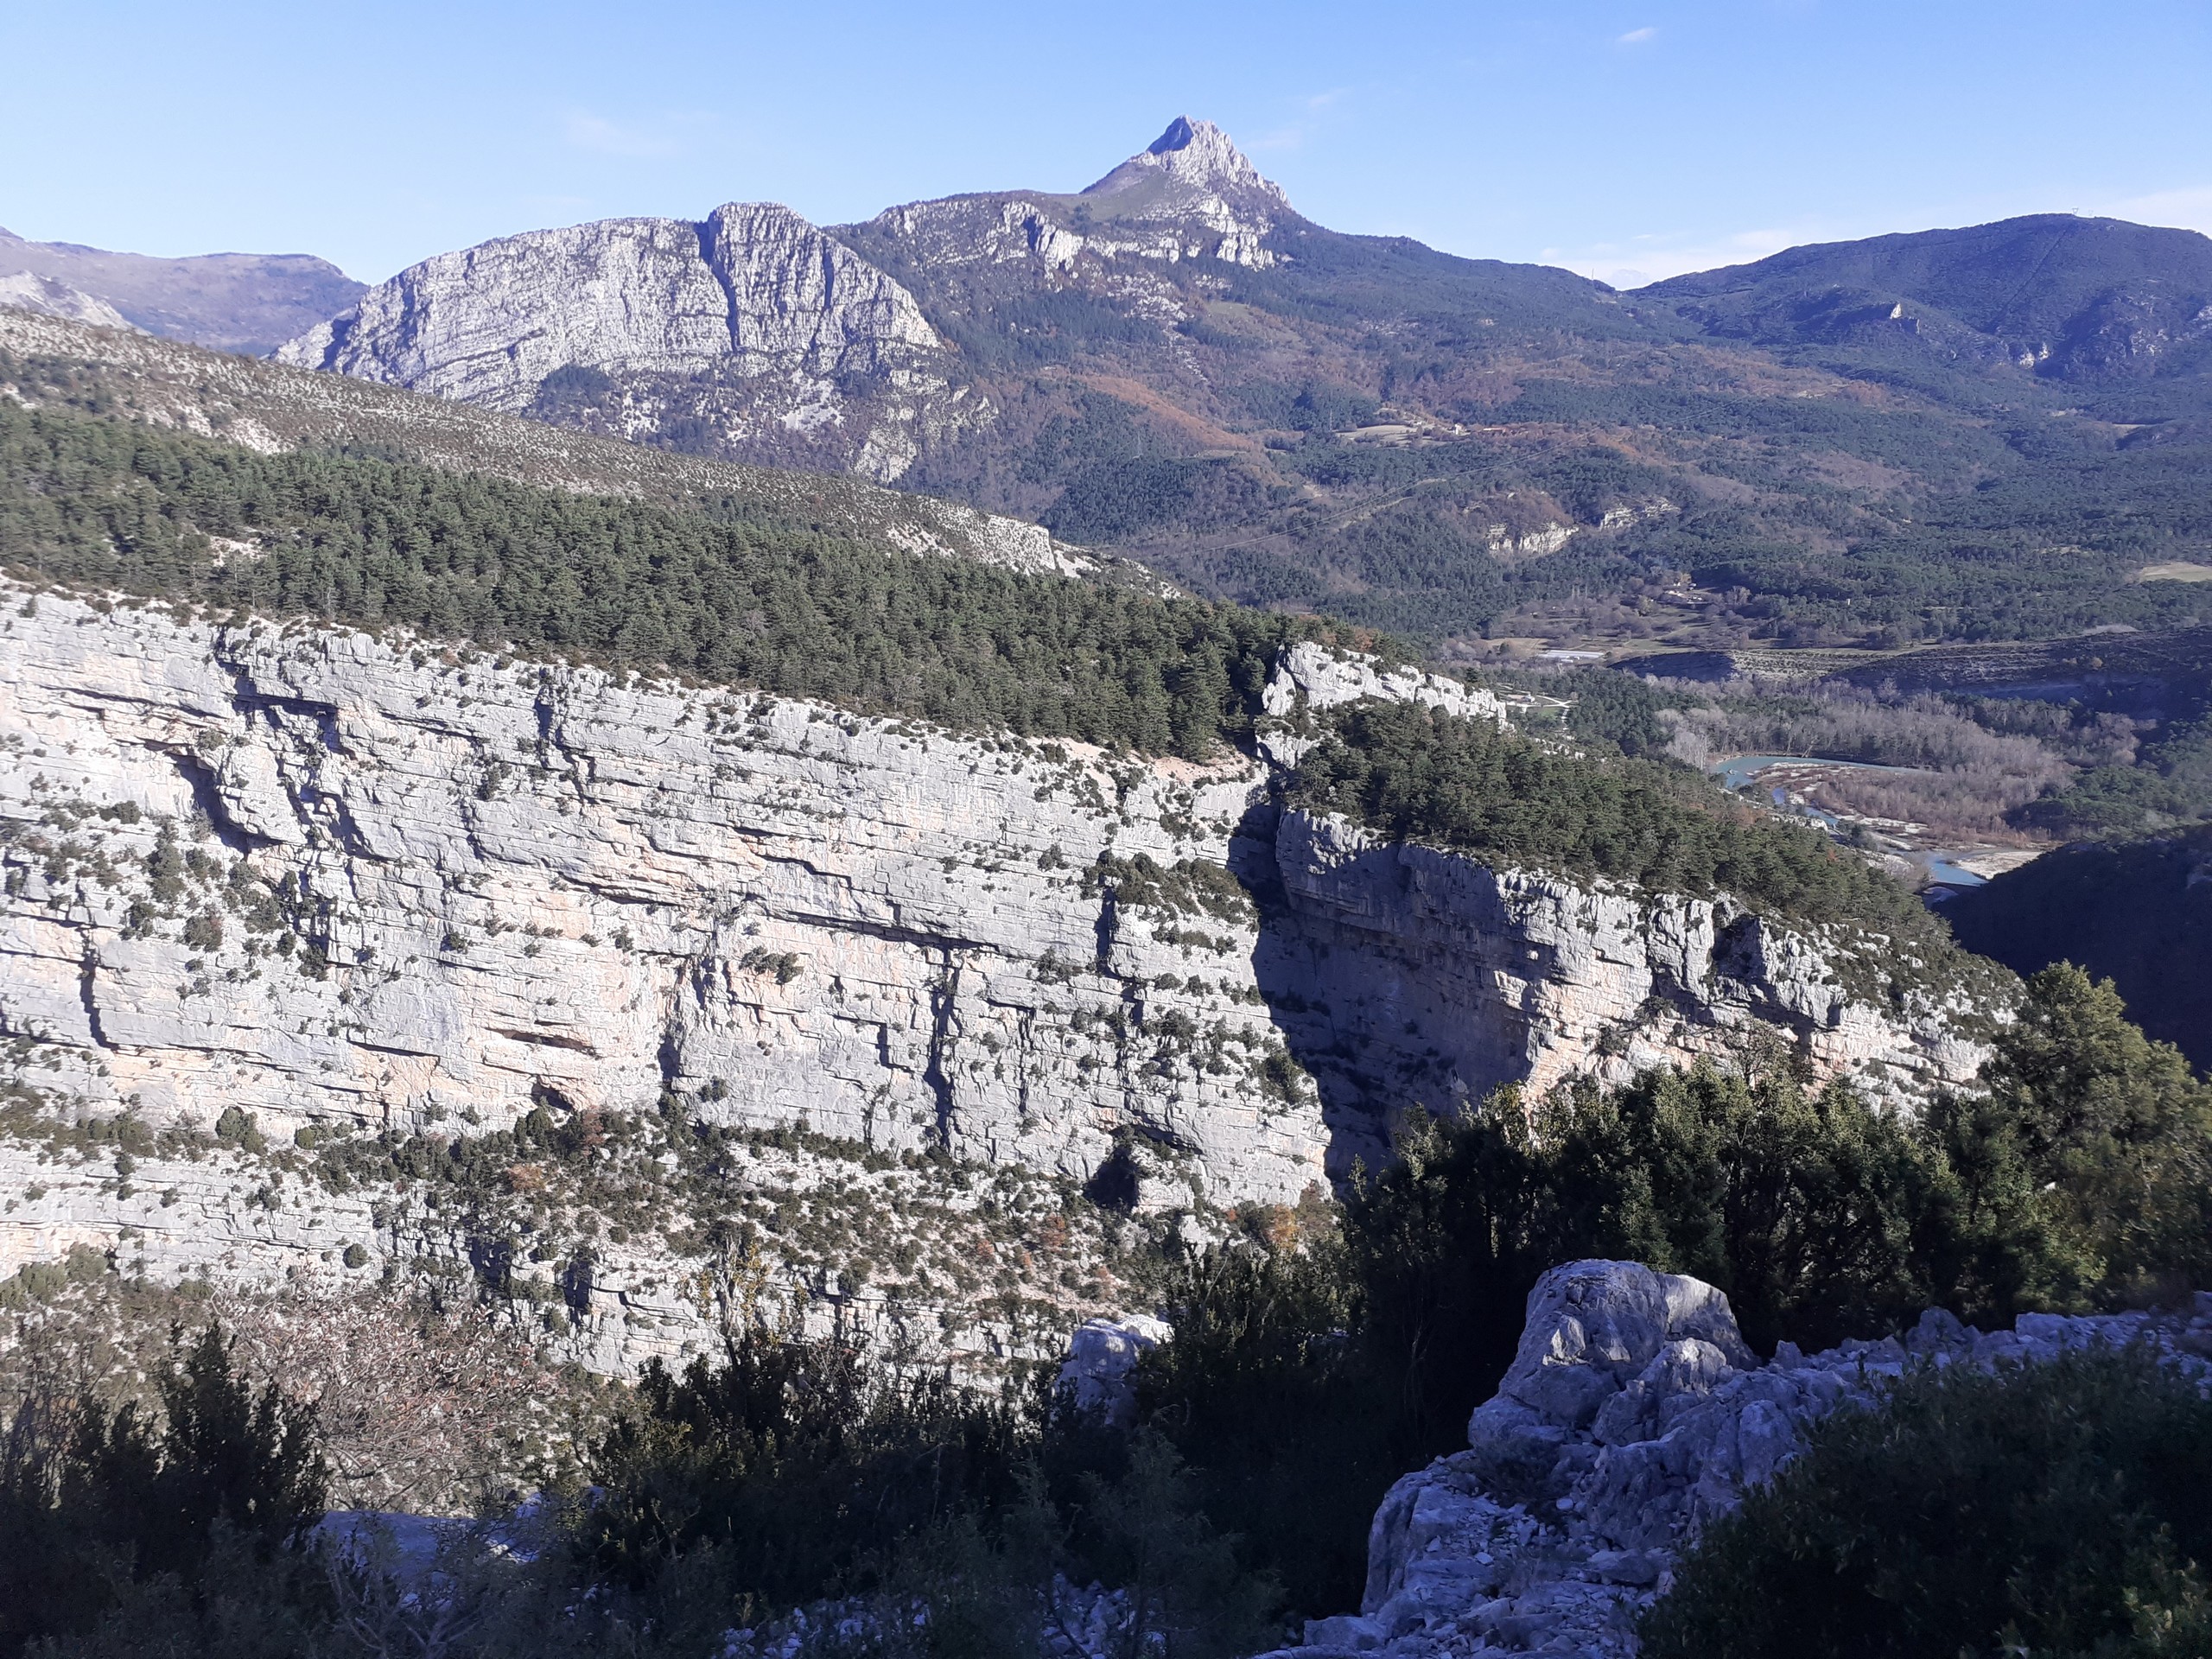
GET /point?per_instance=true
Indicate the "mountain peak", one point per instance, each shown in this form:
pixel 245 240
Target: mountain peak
pixel 1196 156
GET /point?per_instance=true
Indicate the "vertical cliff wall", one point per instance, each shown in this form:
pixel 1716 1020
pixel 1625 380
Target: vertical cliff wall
pixel 314 874
pixel 334 881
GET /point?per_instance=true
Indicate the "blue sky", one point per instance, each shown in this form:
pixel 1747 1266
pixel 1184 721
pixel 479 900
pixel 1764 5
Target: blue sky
pixel 1625 140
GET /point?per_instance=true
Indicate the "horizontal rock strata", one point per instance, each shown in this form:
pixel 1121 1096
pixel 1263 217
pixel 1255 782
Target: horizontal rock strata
pixel 340 882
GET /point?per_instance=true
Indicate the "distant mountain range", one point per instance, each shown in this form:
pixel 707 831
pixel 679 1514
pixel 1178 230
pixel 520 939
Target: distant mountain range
pixel 2086 301
pixel 249 303
pixel 1999 432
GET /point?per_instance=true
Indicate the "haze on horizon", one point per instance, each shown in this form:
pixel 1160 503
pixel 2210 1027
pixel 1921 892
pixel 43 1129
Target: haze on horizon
pixel 1626 141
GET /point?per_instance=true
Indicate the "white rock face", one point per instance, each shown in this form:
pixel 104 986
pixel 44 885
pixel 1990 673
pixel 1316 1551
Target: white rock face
pixel 1632 1415
pixel 754 335
pixel 523 878
pixel 778 319
pixel 25 290
pixel 1101 1362
pixel 324 878
pixel 1312 678
pixel 1191 156
pixel 1452 978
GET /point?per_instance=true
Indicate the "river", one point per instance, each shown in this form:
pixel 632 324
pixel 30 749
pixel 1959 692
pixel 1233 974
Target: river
pixel 1739 772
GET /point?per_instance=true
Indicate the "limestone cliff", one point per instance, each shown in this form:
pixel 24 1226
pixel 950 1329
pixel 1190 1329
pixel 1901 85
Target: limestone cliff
pixel 753 326
pixel 502 879
pixel 331 880
pixel 1453 976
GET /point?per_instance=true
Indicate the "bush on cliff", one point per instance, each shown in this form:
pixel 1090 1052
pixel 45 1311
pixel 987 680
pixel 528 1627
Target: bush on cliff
pixel 2049 1510
pixel 1417 774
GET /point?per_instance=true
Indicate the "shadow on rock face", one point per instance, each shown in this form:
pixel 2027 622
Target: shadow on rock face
pixel 1116 1183
pixel 1369 1009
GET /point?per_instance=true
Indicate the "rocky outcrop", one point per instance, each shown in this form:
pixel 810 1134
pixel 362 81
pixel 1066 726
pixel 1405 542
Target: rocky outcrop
pixel 1191 161
pixel 1632 1414
pixel 1098 1376
pixel 770 338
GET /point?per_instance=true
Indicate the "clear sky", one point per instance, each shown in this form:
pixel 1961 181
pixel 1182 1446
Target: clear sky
pixel 1629 141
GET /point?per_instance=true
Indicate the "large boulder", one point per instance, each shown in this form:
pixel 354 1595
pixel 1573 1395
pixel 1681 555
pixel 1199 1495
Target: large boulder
pixel 1099 1377
pixel 1632 1413
pixel 1592 1326
pixel 1607 1348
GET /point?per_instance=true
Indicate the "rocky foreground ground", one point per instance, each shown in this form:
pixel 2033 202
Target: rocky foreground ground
pixel 1633 1415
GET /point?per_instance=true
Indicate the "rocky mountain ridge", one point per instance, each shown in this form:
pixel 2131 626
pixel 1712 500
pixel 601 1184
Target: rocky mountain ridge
pixel 1482 456
pixel 754 332
pixel 1174 363
pixel 751 321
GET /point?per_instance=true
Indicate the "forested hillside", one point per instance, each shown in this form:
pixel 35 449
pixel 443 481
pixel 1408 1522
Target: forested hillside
pixel 727 593
pixel 1465 450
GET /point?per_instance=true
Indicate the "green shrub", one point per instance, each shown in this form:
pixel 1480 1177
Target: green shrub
pixel 2082 1173
pixel 2047 1509
pixel 1144 1532
pixel 1417 774
pixel 1811 1210
pixel 804 1462
pixel 100 1510
pixel 1262 1371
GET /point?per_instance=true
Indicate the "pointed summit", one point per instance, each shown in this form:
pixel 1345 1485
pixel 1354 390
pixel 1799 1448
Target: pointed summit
pixel 1197 156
